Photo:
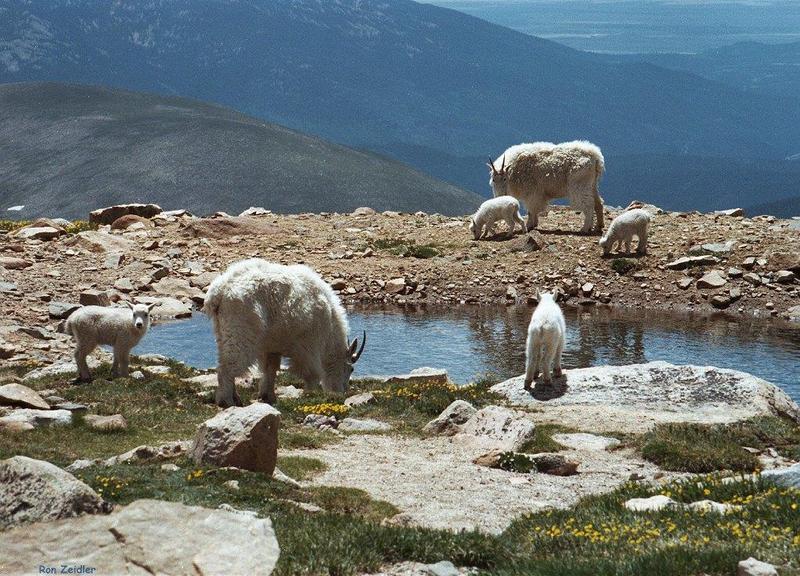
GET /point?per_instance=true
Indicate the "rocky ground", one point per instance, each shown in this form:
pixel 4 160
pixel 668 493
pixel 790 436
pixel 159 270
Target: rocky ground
pixel 698 263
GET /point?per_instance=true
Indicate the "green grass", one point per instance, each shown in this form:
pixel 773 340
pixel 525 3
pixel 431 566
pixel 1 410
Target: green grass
pixel 703 448
pixel 406 248
pixel 542 439
pixel 300 468
pixel 11 225
pixel 77 226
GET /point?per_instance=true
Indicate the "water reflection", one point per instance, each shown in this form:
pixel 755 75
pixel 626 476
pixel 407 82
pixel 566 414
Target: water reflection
pixel 472 341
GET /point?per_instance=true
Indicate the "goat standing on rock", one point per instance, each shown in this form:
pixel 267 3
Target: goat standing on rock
pixel 117 327
pixel 546 338
pixel 262 311
pixel 542 171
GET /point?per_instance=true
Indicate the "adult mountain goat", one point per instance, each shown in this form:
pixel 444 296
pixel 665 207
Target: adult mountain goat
pixel 262 311
pixel 542 171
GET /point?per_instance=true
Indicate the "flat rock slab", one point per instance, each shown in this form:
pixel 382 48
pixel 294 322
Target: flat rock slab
pixel 19 395
pixel 29 418
pixel 505 429
pixel 363 425
pixel 584 441
pixel 786 477
pixel 34 490
pixel 423 374
pixel 147 537
pixel 635 397
pixel 100 242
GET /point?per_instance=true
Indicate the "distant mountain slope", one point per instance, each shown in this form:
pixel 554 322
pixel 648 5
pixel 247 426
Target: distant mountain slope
pixel 427 85
pixel 66 149
pixel 786 208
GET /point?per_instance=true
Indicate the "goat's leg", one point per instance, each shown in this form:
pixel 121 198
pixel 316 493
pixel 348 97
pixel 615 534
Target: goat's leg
pixel 598 211
pixel 81 351
pixel 642 247
pixel 123 365
pixel 269 368
pixel 559 351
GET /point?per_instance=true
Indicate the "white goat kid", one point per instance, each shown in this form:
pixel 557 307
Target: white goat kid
pixel 546 337
pixel 635 222
pixel 492 211
pixel 262 311
pixel 121 328
pixel 539 172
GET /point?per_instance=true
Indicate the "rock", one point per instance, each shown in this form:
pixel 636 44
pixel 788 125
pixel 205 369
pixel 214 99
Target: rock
pixel 36 332
pixel 583 441
pixel 711 506
pixel 785 261
pixel 730 212
pixel 125 222
pixel 281 477
pixel 652 504
pixel 554 464
pixel 793 313
pixel 34 490
pixel 320 421
pixel 718 247
pixel 124 285
pixel 786 477
pixel 363 425
pixel 713 279
pixel 749 263
pixel 665 392
pixel 534 241
pixel 100 242
pixel 490 459
pixel 423 374
pixel 689 261
pixel 19 395
pixel 61 310
pixel 363 211
pixel 7 288
pixel 450 420
pixel 94 298
pixel 106 423
pixel 721 301
pixel 170 467
pixel 245 437
pixel 151 453
pixel 288 392
pixel 359 399
pixel 734 273
pixel 29 418
pixel 147 537
pixel 395 286
pixel 587 288
pixel 203 280
pixel 81 465
pixel 227 227
pixel 784 277
pixel 8 350
pixel 232 484
pixel 38 233
pixel 256 211
pixel 205 381
pixel 443 568
pixel 177 288
pixel 111 213
pixel 753 567
pixel 13 263
pixel 338 283
pixel 508 429
pixel 752 278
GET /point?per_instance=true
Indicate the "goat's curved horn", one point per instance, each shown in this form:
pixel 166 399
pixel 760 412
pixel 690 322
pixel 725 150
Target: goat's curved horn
pixel 503 165
pixel 357 355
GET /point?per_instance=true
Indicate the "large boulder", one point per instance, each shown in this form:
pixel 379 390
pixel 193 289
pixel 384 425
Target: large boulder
pixel 634 397
pixel 18 395
pixel 100 242
pixel 244 437
pixel 29 418
pixel 146 537
pixel 111 213
pixel 505 429
pixel 33 490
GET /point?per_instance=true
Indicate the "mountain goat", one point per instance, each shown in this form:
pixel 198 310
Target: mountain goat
pixel 539 172
pixel 262 311
pixel 118 327
pixel 546 337
pixel 492 211
pixel 632 222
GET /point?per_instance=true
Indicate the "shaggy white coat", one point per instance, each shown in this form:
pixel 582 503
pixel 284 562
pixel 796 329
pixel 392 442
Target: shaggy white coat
pixel 539 172
pixel 546 337
pixel 623 228
pixel 491 212
pixel 262 311
pixel 121 328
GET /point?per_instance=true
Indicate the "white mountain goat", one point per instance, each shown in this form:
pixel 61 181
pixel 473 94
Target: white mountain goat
pixel 546 336
pixel 492 211
pixel 623 228
pixel 262 311
pixel 121 328
pixel 542 171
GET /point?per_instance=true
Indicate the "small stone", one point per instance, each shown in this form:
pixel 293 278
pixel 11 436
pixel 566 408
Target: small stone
pixel 124 285
pixel 395 286
pixel 587 288
pixel 449 421
pixel 61 310
pixel 730 212
pixel 320 421
pixel 29 418
pixel 170 467
pixel 363 211
pixel 73 407
pixel 554 464
pixel 38 233
pixel 784 277
pixel 7 287
pixel 720 301
pixel 652 504
pixel 713 279
pixel 753 567
pixel 106 423
pixel 712 506
pixel 508 429
pixel 360 399
pixel 490 459
pixel 689 261
pixel 734 273
pixel 685 282
pixel 749 263
pixel 584 441
pixel 422 374
pixel 786 477
pixel 752 278
pixel 19 395
pixel 94 298
pixel 232 484
pixel 13 263
pixel 113 260
pixel 338 284
pixel 363 425
pixel 137 375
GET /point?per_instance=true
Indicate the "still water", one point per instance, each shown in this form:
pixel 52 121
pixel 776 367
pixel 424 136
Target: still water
pixel 474 341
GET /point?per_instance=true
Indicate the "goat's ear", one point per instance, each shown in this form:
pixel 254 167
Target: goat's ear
pixel 151 306
pixel 128 304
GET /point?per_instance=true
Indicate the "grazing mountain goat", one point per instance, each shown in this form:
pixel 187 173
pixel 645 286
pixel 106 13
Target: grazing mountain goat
pixel 492 211
pixel 262 311
pixel 539 172
pixel 633 222
pixel 121 328
pixel 546 334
